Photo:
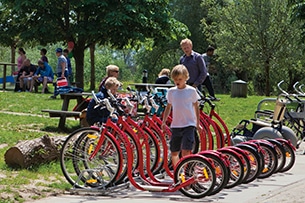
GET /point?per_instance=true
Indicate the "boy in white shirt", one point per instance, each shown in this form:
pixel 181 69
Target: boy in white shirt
pixel 183 101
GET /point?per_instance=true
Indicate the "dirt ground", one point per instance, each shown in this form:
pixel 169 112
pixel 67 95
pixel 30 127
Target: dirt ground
pixel 26 193
pixel 34 190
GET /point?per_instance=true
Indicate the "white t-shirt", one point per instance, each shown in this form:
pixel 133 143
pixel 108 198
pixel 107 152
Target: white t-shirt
pixel 182 101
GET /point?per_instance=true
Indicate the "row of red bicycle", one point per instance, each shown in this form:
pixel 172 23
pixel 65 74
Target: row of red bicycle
pixel 130 151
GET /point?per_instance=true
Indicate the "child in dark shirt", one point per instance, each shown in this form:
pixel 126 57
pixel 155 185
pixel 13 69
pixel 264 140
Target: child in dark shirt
pixel 101 114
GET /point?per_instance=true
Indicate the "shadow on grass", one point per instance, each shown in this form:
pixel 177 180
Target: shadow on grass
pixel 58 130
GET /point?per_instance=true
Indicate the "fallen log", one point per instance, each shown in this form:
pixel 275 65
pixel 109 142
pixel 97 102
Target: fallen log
pixel 28 153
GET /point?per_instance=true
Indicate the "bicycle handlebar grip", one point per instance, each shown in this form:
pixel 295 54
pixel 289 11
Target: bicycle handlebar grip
pixel 153 103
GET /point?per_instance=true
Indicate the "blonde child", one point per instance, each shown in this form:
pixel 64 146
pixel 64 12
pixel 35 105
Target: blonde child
pixel 183 101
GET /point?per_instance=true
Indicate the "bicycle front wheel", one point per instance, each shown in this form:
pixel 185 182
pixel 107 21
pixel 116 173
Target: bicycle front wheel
pixel 200 168
pixel 100 171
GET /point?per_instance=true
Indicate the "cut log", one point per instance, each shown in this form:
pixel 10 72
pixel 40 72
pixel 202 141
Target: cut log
pixel 28 153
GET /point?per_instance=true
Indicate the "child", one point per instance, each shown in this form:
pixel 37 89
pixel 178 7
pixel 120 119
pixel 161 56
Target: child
pixel 101 113
pixel 163 77
pixel 183 101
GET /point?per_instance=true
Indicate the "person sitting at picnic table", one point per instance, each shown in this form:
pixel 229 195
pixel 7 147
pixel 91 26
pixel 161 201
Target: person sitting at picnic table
pixel 25 75
pixel 101 113
pixel 112 71
pixel 44 74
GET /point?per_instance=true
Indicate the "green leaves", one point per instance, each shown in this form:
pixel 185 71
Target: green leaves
pixel 255 37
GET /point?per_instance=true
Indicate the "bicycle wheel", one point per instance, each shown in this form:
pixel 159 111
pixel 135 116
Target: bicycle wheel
pixel 221 169
pixel 236 166
pixel 270 159
pixel 198 167
pixel 81 172
pixel 246 161
pixel 288 134
pixel 280 151
pixel 255 161
pixel 290 155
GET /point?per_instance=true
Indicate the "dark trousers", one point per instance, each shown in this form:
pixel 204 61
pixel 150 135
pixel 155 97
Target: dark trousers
pixel 208 84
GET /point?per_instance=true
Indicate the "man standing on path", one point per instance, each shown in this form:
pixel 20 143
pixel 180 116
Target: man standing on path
pixel 208 81
pixel 194 63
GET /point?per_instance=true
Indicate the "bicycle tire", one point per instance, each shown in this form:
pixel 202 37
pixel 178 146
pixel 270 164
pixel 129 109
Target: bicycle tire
pixel 73 160
pixel 199 167
pixel 255 161
pixel 236 167
pixel 290 155
pixel 279 148
pixel 246 161
pixel 270 159
pixel 289 134
pixel 221 170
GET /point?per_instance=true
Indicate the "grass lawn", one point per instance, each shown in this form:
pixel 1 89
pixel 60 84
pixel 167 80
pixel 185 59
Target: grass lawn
pixel 32 123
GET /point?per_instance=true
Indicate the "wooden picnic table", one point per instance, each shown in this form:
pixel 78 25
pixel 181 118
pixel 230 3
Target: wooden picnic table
pixel 64 112
pixel 149 85
pixel 5 64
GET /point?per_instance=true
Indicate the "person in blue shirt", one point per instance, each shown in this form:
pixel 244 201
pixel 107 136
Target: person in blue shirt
pixel 70 72
pixel 44 74
pixel 194 63
pixel 61 69
pixel 100 114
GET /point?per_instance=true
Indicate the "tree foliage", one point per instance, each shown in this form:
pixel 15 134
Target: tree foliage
pixel 84 22
pixel 257 38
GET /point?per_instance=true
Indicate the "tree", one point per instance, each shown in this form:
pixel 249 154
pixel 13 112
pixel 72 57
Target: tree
pixel 255 37
pixel 115 22
pixel 191 13
pixel 9 29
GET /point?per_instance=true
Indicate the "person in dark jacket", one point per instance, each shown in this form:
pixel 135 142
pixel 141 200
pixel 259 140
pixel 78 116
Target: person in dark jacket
pixel 163 77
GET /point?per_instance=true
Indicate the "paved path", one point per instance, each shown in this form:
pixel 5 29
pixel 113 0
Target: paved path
pixel 286 187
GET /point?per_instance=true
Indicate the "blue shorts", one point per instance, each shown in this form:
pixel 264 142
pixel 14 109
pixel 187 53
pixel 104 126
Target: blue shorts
pixel 182 138
pixel 49 79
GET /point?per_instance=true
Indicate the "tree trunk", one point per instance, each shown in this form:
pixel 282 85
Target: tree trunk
pixel 13 57
pixel 267 74
pixel 79 54
pixel 30 153
pixel 92 60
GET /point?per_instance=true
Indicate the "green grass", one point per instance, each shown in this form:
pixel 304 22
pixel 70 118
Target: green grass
pixel 26 127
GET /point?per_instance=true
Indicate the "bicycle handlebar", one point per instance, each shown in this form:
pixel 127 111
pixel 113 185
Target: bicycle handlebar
pixel 105 102
pixel 287 95
pixel 154 104
pixel 298 91
pixel 279 86
pixel 300 88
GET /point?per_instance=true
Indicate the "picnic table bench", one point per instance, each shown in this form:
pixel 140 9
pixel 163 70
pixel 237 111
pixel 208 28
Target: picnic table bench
pixel 64 112
pixel 5 78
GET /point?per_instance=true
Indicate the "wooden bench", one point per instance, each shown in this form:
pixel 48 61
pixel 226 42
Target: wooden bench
pixel 64 112
pixel 59 113
pixel 62 115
